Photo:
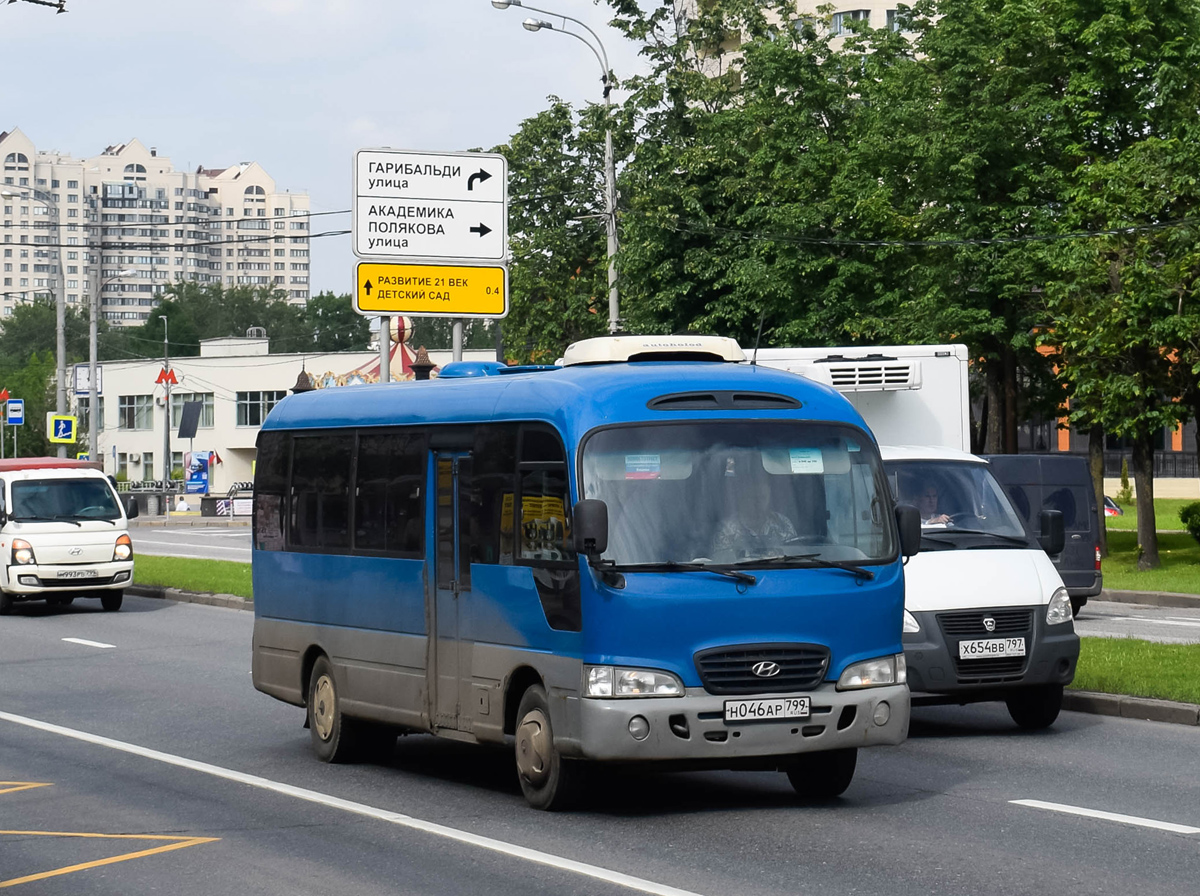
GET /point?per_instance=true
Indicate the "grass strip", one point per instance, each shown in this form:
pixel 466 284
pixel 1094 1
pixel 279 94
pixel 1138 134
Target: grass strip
pixel 1166 515
pixel 1179 573
pixel 193 574
pixel 1139 669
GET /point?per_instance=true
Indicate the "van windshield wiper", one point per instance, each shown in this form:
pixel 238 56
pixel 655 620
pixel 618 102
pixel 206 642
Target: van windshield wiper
pixel 808 560
pixel 47 519
pixel 1009 538
pixel 676 566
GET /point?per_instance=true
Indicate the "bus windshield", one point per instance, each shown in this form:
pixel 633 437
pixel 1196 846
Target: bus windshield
pixel 64 499
pixel 740 492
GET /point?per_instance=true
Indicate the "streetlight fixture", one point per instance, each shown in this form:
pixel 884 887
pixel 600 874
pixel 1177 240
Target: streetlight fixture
pixel 610 174
pixel 60 312
pixel 93 385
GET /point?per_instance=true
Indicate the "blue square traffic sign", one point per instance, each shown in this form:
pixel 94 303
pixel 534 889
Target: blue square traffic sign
pixel 16 412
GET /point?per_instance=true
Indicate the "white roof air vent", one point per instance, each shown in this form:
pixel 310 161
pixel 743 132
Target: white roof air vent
pixel 617 349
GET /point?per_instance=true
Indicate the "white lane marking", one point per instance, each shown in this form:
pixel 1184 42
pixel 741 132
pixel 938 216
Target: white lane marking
pixel 1190 623
pixel 90 643
pixel 1109 816
pixel 407 821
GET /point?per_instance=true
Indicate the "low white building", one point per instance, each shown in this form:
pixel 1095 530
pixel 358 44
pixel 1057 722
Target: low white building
pixel 237 382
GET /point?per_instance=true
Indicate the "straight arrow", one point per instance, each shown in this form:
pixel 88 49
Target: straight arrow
pixel 367 287
pixel 482 229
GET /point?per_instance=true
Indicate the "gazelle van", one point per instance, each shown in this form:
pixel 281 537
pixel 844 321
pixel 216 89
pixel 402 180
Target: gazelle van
pixel 63 534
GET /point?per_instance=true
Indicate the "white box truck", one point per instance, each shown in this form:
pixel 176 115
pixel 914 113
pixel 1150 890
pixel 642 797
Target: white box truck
pixel 987 616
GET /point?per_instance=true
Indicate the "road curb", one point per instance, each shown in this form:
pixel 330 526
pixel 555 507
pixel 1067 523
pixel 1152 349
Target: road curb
pixel 205 522
pixel 1150 598
pixel 1132 707
pixel 191 597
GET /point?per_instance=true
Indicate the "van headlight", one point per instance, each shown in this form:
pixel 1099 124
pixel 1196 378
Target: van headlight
pixel 1058 610
pixel 875 673
pixel 22 553
pixel 911 626
pixel 123 549
pixel 615 681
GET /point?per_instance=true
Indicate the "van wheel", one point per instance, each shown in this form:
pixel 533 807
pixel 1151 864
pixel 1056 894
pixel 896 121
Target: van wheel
pixel 112 600
pixel 6 603
pixel 1035 708
pixel 547 779
pixel 332 733
pixel 824 775
pixel 1077 605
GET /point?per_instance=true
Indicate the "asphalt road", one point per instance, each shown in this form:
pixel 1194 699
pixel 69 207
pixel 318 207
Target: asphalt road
pixel 1167 625
pixel 206 542
pixel 161 735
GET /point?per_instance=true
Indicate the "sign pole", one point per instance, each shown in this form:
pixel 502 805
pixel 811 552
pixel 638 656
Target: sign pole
pixel 457 340
pixel 385 349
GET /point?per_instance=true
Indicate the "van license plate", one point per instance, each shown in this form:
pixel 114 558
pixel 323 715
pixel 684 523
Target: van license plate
pixel 767 710
pixel 77 573
pixel 989 647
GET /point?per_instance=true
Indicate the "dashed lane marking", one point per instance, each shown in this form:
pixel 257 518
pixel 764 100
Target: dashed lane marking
pixel 1109 816
pixel 14 786
pixel 87 643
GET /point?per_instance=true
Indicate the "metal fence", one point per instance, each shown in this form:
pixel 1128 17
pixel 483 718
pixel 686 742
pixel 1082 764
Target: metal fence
pixel 1167 464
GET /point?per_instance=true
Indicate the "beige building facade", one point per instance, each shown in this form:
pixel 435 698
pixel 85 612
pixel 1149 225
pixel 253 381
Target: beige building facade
pixel 126 224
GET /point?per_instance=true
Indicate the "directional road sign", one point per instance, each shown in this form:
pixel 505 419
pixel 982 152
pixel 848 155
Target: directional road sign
pixel 424 205
pixel 61 428
pixel 431 290
pixel 16 412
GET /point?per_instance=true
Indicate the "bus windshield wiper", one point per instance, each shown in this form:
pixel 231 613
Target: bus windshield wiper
pixel 812 560
pixel 675 565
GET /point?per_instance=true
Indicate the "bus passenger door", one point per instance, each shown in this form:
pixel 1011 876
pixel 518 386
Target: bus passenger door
pixel 453 580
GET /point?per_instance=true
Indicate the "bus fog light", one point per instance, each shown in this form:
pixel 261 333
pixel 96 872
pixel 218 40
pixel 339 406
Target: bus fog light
pixel 883 712
pixel 639 728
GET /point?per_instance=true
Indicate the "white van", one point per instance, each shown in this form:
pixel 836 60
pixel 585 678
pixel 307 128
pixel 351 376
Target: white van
pixel 987 616
pixel 63 533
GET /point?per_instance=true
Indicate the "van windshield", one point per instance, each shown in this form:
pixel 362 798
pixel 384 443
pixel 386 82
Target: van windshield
pixel 64 499
pixel 954 496
pixel 780 493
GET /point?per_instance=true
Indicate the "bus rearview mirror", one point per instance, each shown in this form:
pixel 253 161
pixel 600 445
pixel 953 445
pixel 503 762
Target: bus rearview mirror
pixel 591 528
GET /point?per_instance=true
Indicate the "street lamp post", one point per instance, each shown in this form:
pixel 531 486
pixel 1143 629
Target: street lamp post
pixel 93 385
pixel 610 174
pixel 60 312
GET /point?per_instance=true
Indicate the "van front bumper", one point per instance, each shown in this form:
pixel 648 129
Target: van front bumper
pixel 692 728
pixel 1051 653
pixel 36 580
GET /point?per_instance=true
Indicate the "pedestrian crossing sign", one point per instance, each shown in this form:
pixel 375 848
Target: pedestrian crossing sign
pixel 61 428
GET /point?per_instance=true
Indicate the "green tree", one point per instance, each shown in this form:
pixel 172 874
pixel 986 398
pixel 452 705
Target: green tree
pixel 30 379
pixel 335 325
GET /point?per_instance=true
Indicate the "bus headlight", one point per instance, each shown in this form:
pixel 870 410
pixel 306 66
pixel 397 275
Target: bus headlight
pixel 1058 610
pixel 615 681
pixel 22 552
pixel 911 626
pixel 123 549
pixel 885 670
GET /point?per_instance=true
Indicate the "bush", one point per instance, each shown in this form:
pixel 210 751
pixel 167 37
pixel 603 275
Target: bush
pixel 1125 495
pixel 1189 515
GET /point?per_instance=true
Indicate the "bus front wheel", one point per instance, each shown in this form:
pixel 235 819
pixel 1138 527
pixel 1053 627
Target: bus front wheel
pixel 332 733
pixel 547 779
pixel 824 775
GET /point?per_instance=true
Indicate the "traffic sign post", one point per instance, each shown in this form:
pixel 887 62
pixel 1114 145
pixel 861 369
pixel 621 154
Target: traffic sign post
pixel 61 429
pixel 431 290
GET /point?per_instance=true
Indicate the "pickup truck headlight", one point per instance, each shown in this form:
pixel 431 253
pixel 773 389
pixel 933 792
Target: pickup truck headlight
pixel 22 553
pixel 1058 610
pixel 123 549
pixel 615 681
pixel 886 670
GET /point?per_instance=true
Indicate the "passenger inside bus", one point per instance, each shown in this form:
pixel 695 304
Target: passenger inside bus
pixel 753 529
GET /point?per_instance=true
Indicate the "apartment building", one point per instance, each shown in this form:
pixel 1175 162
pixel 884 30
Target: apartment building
pixel 126 223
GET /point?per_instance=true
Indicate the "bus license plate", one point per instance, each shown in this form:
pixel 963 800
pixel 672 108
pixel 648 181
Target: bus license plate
pixel 77 574
pixel 989 647
pixel 767 710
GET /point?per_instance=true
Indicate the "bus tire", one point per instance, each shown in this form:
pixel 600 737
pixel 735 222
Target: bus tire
pixel 111 601
pixel 824 775
pixel 6 603
pixel 1035 708
pixel 332 733
pixel 548 780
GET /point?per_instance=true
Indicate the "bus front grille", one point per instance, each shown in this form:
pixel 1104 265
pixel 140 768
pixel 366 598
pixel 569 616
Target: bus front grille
pixel 780 668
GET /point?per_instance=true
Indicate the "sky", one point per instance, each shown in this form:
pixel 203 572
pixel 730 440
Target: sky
pixel 295 85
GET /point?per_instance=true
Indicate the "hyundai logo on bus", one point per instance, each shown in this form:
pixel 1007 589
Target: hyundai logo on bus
pixel 766 669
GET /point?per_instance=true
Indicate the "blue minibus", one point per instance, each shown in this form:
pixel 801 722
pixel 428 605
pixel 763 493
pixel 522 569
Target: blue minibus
pixel 649 553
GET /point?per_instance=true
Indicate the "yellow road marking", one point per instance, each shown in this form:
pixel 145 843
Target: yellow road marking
pixel 177 843
pixel 14 786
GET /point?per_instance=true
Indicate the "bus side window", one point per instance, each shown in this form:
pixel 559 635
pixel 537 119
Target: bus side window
pixel 486 488
pixel 319 510
pixel 543 523
pixel 270 488
pixel 388 507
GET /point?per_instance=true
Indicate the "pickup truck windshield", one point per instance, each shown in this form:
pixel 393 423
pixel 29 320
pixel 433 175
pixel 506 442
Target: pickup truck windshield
pixel 64 499
pixel 956 497
pixel 740 492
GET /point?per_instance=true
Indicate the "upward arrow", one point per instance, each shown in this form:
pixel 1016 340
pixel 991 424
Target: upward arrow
pixel 367 287
pixel 480 176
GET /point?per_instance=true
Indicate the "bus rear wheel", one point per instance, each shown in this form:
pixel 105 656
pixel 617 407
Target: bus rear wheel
pixel 824 775
pixel 548 780
pixel 112 600
pixel 1035 708
pixel 332 733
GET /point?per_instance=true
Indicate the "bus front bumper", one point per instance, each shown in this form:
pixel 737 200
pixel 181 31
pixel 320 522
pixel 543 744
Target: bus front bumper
pixel 693 729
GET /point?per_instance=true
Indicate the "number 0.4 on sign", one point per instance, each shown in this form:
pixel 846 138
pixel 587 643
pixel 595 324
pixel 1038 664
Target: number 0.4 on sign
pixel 431 290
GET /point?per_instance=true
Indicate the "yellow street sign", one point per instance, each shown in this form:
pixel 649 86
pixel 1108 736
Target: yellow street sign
pixel 431 290
pixel 61 428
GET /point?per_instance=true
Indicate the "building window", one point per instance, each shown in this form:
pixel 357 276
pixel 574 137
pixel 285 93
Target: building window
pixel 842 20
pixel 253 407
pixel 135 411
pixel 206 412
pixel 83 406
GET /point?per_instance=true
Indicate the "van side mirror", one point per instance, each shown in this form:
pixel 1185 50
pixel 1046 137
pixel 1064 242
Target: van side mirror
pixel 591 528
pixel 1054 533
pixel 3 507
pixel 908 522
pixel 131 508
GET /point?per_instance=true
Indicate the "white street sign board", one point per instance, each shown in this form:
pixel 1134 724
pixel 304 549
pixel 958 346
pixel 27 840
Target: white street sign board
pixel 16 411
pixel 83 376
pixel 422 205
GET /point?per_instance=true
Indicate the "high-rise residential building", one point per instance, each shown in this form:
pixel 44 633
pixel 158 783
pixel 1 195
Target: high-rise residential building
pixel 126 224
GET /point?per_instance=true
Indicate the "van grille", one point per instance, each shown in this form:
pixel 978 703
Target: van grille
pixel 970 624
pixel 990 671
pixel 729 670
